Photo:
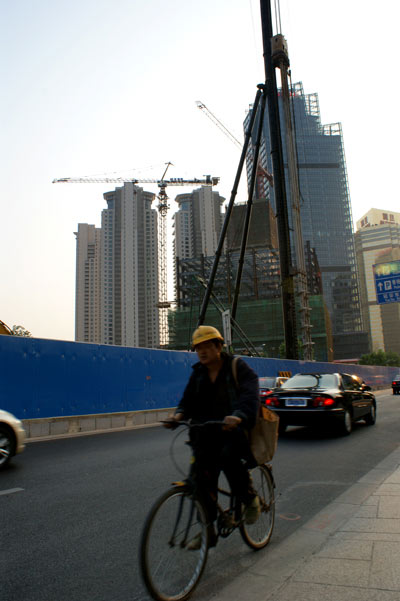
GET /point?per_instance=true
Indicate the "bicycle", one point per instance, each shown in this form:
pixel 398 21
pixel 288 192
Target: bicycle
pixel 169 569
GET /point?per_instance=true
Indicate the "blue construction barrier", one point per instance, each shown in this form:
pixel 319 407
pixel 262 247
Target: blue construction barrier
pixel 54 378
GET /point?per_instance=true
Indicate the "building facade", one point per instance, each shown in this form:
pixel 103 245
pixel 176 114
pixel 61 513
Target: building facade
pixel 197 223
pixel 88 284
pixel 126 256
pixel 262 228
pixel 377 240
pixel 326 217
pixel 377 217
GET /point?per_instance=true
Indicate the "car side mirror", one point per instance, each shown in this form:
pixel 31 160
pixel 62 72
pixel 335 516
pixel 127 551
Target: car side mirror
pixel 366 387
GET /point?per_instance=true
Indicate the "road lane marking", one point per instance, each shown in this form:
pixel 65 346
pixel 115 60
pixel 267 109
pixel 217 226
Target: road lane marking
pixel 10 491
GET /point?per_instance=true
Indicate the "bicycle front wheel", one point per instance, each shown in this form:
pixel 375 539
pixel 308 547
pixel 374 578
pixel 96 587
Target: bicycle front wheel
pixel 170 570
pixel 258 535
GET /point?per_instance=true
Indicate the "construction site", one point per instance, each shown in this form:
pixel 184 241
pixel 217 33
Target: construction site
pixel 245 260
pixel 259 312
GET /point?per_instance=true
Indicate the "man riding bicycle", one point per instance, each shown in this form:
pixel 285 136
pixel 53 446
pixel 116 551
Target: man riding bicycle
pixel 214 394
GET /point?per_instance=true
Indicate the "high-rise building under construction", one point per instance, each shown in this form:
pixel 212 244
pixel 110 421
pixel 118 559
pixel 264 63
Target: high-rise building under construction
pixel 259 313
pixel 326 217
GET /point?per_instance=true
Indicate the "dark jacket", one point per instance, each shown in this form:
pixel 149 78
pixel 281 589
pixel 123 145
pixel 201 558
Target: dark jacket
pixel 204 400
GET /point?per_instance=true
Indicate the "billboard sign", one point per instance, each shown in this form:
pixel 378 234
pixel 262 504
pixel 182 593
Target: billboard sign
pixel 387 282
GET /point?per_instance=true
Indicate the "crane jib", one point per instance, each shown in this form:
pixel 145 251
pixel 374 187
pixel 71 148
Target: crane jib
pixel 207 181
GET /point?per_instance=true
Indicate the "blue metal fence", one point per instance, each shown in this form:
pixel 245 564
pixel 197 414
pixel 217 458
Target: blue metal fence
pixel 52 378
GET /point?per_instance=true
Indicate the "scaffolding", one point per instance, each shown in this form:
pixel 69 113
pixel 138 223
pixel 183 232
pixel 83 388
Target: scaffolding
pixel 259 310
pixel 260 278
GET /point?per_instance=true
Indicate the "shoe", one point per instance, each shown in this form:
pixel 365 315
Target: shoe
pixel 252 511
pixel 195 543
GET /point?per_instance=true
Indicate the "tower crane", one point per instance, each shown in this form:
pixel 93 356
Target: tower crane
pixel 162 207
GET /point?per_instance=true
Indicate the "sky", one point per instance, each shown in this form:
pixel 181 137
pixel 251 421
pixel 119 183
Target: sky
pixel 109 87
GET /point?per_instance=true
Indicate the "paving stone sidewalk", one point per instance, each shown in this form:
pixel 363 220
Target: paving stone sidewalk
pixel 361 561
pixel 350 551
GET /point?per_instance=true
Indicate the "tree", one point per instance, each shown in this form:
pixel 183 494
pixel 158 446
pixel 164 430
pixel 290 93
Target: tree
pixel 381 358
pixel 21 331
pixel 282 349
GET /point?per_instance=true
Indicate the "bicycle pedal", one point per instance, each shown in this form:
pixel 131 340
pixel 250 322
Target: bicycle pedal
pixel 226 523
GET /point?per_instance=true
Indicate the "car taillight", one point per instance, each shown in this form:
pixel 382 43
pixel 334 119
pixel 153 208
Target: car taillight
pixel 394 383
pixel 271 400
pixel 323 401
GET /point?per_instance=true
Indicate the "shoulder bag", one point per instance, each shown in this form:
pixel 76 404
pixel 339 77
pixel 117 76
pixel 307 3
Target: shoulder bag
pixel 263 437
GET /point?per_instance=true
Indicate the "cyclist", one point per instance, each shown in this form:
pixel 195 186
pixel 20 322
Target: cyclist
pixel 212 394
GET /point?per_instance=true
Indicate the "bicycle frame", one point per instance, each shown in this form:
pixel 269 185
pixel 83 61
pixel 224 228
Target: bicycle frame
pixel 176 535
pixel 227 519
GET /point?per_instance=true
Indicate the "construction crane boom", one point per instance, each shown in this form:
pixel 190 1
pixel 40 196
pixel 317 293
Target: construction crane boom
pixel 261 170
pixel 175 181
pixel 218 123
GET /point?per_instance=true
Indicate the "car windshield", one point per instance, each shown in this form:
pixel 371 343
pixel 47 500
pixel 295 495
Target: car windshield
pixel 310 381
pixel 267 382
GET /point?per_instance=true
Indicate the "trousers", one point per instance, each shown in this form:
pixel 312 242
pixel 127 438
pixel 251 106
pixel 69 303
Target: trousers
pixel 215 451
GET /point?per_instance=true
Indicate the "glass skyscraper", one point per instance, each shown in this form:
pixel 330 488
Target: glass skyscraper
pixel 325 214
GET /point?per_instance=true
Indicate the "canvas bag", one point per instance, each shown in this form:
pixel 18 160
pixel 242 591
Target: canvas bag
pixel 263 437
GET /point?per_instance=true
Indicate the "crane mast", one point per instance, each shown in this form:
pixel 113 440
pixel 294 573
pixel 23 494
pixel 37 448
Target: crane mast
pixel 281 59
pixel 162 207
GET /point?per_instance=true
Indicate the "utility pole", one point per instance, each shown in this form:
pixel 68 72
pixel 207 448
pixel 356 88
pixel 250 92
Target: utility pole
pixel 287 272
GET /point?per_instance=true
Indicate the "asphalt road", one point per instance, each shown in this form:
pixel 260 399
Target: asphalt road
pixel 71 510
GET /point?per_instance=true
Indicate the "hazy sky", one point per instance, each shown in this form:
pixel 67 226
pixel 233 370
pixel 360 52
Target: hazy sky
pixel 109 86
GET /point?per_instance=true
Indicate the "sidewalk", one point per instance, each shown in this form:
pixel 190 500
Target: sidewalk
pixel 350 551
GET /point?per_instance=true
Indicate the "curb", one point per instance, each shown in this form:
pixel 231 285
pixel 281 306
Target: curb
pixel 82 425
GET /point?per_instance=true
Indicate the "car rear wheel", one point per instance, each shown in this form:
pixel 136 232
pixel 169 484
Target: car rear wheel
pixel 7 446
pixel 347 424
pixel 370 419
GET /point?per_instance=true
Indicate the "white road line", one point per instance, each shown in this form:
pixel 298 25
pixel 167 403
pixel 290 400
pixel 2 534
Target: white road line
pixel 10 491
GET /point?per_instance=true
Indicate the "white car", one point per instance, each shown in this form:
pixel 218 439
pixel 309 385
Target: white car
pixel 12 437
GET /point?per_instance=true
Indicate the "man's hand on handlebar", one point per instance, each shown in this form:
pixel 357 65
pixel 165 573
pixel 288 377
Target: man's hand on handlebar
pixel 231 422
pixel 172 421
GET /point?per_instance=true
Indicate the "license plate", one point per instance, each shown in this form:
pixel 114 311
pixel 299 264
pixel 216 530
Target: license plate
pixel 296 402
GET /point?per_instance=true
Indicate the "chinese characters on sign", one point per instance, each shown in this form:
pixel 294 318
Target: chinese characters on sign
pixel 387 282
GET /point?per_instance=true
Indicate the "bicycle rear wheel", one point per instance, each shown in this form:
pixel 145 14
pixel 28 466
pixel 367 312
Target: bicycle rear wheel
pixel 258 535
pixel 170 570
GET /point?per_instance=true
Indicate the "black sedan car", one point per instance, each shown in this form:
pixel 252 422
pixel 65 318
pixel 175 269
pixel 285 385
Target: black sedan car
pixel 396 384
pixel 322 399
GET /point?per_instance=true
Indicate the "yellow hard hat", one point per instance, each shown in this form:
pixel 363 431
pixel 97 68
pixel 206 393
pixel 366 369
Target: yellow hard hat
pixel 203 333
